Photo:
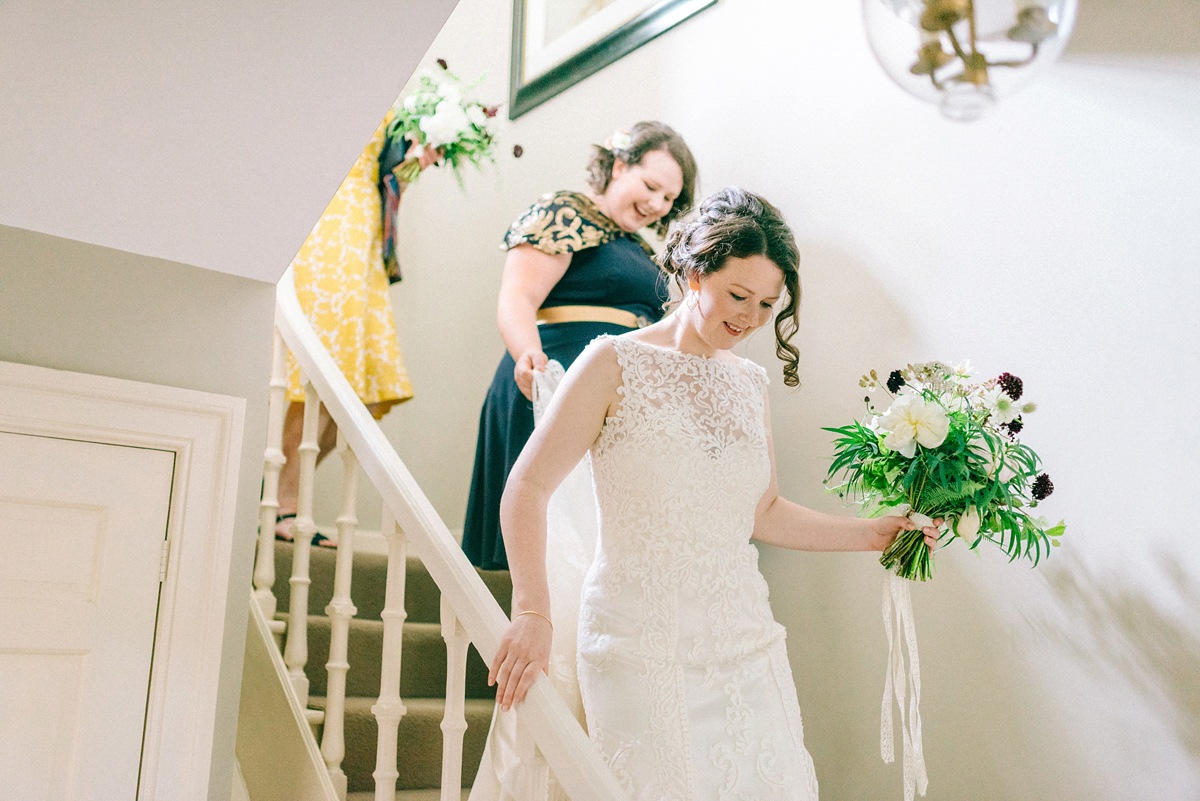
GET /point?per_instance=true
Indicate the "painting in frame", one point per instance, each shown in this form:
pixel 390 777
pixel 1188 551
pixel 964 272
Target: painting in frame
pixel 557 43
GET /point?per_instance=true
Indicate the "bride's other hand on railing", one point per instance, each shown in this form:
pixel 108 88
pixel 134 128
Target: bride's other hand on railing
pixel 523 653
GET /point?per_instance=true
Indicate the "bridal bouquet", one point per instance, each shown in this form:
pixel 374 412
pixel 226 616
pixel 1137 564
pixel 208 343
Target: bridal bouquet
pixel 946 447
pixel 440 116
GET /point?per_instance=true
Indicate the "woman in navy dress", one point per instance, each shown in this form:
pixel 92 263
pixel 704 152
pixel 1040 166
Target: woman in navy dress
pixel 576 268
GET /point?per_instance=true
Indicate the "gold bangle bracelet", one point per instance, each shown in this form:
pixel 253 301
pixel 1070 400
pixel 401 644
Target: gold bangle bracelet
pixel 539 614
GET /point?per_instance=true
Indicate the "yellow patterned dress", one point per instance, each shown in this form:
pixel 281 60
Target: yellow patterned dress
pixel 342 287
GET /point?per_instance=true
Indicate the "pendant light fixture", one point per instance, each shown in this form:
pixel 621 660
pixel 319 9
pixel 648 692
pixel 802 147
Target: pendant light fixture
pixel 964 55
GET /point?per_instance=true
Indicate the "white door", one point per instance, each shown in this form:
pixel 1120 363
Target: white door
pixel 82 525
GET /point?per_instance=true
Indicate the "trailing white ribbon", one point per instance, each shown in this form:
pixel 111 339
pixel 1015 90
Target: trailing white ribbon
pixel 897 604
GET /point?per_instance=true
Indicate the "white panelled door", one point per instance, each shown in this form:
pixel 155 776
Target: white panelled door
pixel 82 527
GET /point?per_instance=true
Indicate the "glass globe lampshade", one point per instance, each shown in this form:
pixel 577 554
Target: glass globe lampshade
pixel 964 55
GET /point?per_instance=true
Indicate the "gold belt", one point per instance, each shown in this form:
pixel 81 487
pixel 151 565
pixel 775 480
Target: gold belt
pixel 590 314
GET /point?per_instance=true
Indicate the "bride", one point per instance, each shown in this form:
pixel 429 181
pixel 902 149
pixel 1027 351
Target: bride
pixel 682 669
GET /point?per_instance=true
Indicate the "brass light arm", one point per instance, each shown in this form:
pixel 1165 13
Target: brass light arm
pixel 971 22
pixel 1032 56
pixel 957 47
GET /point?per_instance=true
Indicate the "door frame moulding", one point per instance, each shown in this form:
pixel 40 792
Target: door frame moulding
pixel 204 431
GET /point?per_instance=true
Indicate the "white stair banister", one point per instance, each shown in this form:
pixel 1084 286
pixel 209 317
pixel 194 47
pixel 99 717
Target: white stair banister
pixel 340 611
pixel 575 762
pixel 295 653
pixel 454 720
pixel 264 561
pixel 389 709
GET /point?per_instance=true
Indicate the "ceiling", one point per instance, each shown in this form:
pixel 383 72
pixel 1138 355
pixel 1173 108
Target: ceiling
pixel 208 133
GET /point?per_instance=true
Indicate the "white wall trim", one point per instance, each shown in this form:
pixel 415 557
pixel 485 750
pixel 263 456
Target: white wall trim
pixel 204 431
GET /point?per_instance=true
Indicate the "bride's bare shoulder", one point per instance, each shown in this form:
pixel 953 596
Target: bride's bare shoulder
pixel 599 362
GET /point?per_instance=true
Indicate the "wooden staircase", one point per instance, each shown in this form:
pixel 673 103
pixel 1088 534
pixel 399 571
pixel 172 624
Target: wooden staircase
pixel 422 678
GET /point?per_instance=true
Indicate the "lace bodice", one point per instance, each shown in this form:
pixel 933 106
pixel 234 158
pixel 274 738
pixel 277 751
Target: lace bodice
pixel 679 470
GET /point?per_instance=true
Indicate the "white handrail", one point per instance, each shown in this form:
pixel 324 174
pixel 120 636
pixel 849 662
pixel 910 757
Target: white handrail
pixel 575 762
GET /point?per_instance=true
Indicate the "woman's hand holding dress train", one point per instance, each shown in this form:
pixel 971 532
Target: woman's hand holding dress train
pixel 529 275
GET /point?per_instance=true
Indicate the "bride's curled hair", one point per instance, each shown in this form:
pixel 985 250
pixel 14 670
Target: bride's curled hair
pixel 734 223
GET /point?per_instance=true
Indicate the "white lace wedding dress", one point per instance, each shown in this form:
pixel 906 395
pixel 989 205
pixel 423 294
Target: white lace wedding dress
pixel 683 670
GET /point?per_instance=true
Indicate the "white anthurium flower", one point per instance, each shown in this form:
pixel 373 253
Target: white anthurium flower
pixel 450 91
pixel 967 525
pixel 912 420
pixel 1003 408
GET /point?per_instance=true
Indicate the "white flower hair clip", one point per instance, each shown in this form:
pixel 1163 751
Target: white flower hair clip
pixel 619 140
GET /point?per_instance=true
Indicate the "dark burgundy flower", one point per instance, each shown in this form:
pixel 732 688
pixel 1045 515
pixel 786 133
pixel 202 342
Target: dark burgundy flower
pixel 490 111
pixel 1015 426
pixel 1010 385
pixel 441 62
pixel 895 381
pixel 1042 487
pixel 518 151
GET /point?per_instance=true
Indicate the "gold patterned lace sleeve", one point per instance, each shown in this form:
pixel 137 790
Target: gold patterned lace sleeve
pixel 562 222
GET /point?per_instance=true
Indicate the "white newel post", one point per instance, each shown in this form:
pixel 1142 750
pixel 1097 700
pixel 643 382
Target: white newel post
pixel 389 709
pixel 295 654
pixel 264 562
pixel 340 611
pixel 454 722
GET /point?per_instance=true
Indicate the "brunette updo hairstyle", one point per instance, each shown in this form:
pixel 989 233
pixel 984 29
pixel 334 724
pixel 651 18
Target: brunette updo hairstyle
pixel 734 223
pixel 644 137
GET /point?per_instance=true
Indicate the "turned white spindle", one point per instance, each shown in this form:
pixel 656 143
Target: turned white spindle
pixel 268 508
pixel 340 610
pixel 454 722
pixel 295 653
pixel 389 709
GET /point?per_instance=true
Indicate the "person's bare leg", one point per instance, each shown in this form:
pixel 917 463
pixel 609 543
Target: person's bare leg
pixel 289 474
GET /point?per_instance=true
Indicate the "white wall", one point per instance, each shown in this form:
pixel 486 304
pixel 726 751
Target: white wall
pixel 1054 240
pixel 88 309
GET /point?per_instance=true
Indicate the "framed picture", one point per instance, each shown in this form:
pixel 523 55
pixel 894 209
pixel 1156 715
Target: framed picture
pixel 556 43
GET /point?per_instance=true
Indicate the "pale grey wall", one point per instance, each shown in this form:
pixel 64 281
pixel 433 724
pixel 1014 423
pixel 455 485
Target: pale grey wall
pixel 1055 239
pixel 83 308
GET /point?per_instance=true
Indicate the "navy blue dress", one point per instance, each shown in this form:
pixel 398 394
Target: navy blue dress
pixel 609 267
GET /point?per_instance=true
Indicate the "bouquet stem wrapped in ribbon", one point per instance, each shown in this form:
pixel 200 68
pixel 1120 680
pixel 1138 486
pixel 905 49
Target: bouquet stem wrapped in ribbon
pixel 945 447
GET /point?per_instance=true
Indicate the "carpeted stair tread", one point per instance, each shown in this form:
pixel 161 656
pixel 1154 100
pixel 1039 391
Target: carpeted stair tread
pixel 421 595
pixel 432 794
pixel 422 656
pixel 419 757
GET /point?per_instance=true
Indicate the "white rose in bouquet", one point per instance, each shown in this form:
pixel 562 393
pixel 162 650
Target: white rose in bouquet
pixel 477 117
pixel 448 121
